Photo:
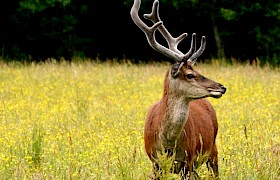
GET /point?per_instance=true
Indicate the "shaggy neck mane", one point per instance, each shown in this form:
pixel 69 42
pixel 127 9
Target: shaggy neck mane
pixel 175 111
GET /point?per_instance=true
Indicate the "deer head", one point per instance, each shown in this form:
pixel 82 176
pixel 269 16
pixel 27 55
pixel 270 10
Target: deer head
pixel 183 79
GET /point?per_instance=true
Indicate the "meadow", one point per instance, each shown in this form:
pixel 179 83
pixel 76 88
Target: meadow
pixel 85 120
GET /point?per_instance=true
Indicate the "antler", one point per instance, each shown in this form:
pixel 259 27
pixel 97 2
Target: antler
pixel 173 51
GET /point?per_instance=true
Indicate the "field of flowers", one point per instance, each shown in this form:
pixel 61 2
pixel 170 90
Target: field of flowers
pixel 85 120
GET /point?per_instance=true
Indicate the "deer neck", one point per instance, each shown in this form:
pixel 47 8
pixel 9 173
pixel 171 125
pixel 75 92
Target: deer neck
pixel 175 115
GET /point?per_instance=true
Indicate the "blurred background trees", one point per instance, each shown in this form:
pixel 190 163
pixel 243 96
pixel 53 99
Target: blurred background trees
pixel 37 30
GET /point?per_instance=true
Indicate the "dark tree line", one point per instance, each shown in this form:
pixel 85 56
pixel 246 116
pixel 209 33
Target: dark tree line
pixel 37 30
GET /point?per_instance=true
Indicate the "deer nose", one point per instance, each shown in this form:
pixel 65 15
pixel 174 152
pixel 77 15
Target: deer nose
pixel 224 89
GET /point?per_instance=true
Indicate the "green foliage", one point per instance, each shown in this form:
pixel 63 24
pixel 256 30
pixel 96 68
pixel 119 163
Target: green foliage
pixel 166 164
pixel 36 29
pixel 228 14
pixel 36 150
pixel 38 5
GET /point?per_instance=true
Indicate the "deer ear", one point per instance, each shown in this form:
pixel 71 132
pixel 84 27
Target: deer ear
pixel 175 70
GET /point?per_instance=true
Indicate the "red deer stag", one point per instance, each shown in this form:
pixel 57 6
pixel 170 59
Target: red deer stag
pixel 183 121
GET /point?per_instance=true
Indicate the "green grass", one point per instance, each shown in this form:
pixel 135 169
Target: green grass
pixel 85 120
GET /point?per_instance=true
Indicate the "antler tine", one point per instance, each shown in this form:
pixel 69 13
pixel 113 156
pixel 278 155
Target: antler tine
pixel 193 58
pixel 150 32
pixel 192 48
pixel 172 42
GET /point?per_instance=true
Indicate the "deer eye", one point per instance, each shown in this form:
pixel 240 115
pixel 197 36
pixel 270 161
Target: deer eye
pixel 190 76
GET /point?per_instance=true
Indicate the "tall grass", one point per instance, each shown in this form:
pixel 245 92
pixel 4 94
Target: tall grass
pixel 85 120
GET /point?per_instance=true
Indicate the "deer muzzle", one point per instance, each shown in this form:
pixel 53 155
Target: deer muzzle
pixel 217 93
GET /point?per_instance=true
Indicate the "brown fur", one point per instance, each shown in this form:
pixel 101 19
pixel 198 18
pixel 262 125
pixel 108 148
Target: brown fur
pixel 201 121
